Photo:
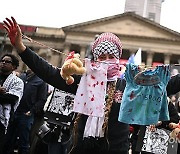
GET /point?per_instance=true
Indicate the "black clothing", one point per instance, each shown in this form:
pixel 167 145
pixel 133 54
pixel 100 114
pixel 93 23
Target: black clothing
pixel 173 115
pixel 8 98
pixel 34 95
pixel 47 72
pixel 117 132
pixel 2 137
pixel 173 86
pixel 2 78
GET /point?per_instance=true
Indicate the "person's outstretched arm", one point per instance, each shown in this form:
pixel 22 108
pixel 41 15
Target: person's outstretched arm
pixel 38 65
pixel 47 72
pixel 173 86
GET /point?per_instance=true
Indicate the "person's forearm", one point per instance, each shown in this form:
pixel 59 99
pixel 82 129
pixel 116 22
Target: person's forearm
pixel 40 67
pixel 20 48
pixel 8 98
pixel 47 72
pixel 173 85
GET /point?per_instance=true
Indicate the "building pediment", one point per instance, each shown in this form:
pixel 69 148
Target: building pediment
pixel 126 24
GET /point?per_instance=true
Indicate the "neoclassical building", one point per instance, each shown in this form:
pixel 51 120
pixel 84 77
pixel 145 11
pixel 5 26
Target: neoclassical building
pixel 158 43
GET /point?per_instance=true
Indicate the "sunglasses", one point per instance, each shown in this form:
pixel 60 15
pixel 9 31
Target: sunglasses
pixel 6 61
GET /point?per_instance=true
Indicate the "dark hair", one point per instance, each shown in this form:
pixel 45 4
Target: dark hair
pixel 15 61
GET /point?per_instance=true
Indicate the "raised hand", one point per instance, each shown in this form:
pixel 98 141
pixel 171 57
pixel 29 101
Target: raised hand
pixel 14 33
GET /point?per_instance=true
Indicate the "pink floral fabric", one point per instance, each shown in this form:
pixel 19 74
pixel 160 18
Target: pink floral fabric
pixel 90 96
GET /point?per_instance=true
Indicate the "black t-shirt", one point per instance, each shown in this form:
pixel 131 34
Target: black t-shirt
pixel 2 78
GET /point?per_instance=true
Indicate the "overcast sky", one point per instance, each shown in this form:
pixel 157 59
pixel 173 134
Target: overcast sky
pixel 60 13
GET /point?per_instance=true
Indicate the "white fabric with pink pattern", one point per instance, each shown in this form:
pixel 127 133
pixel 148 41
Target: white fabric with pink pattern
pixel 91 92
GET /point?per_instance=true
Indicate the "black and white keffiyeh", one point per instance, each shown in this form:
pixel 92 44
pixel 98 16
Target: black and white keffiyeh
pixel 13 85
pixel 106 47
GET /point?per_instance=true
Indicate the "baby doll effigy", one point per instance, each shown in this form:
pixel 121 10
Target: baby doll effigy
pixel 176 130
pixel 72 65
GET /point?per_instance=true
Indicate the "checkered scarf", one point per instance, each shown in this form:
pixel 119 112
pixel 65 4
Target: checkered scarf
pixel 107 43
pixel 13 85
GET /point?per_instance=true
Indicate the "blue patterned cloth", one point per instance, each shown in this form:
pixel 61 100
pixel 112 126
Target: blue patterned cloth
pixel 144 101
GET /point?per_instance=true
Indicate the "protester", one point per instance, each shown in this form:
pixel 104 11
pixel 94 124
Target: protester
pixel 31 105
pixel 11 91
pixel 113 135
pixel 173 87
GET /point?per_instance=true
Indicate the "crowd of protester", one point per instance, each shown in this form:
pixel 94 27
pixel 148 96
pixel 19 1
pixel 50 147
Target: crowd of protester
pixel 118 129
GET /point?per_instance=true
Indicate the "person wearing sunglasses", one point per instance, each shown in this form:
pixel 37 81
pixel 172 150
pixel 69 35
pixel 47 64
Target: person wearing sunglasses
pixel 11 91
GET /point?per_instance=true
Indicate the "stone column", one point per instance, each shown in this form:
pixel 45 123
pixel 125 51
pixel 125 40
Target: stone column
pixel 149 59
pixel 167 57
pixel 82 52
pixel 132 51
pixel 65 51
pixel 44 52
pixel 55 58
